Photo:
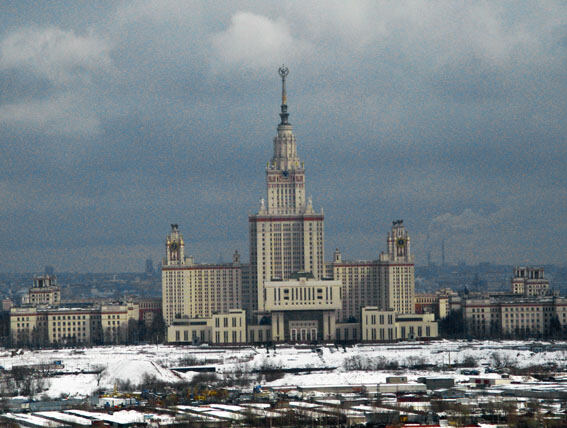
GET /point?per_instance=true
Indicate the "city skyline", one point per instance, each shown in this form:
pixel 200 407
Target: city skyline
pixel 119 120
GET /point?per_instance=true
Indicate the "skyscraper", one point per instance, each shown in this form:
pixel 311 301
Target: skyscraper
pixel 288 291
pixel 286 235
pixel 397 275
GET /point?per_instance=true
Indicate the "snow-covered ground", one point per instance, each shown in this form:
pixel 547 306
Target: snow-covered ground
pixel 133 363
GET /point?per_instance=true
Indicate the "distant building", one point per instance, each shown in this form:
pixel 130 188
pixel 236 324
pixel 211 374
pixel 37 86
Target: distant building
pixel 92 324
pixel 515 316
pixel 149 267
pixel 6 305
pixel 226 328
pixel 440 303
pixel 530 310
pixel 302 309
pixel 150 308
pixel 45 291
pixel 41 320
pixel 529 281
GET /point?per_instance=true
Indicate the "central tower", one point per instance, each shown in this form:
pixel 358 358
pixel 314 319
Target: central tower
pixel 286 235
pixel 285 175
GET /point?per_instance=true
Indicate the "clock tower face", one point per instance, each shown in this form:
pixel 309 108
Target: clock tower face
pixel 174 251
pixel 401 242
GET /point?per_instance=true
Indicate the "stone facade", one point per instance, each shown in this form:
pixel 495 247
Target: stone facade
pixel 303 309
pixel 91 324
pixel 287 291
pixel 515 317
pixel 45 291
pixel 529 281
pixel 286 235
pixel 191 290
pixel 387 326
pixel 219 329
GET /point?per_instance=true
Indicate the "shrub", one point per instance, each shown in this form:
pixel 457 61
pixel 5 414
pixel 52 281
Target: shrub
pixel 469 361
pixel 189 360
pixel 204 379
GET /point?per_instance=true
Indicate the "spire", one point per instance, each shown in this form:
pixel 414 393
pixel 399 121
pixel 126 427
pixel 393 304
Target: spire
pixel 283 72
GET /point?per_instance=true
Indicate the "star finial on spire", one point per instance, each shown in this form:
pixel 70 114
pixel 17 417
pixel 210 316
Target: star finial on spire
pixel 283 71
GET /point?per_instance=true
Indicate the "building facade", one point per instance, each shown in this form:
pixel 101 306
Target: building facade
pixel 360 285
pixel 219 329
pixel 529 281
pixel 303 309
pixel 440 303
pixel 531 310
pixel 379 326
pixel 44 291
pixel 191 290
pixel 397 272
pixel 43 320
pixel 387 283
pixel 286 234
pixel 287 291
pixel 533 316
pixel 90 324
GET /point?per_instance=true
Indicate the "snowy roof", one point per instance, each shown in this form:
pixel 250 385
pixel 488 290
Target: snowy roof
pixel 65 417
pixel 30 419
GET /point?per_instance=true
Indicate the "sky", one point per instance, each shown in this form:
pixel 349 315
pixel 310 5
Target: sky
pixel 119 118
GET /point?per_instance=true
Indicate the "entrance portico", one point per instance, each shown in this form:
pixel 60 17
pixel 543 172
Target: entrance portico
pixel 303 309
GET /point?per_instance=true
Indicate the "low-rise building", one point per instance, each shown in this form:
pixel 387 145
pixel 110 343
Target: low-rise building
pixel 150 308
pixel 387 326
pixel 515 316
pixel 70 325
pixel 440 303
pixel 226 328
pixel 28 325
pixel 303 309
pixel 87 324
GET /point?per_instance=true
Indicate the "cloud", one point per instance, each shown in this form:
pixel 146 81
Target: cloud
pixel 63 114
pixel 450 113
pixel 468 221
pixel 70 64
pixel 255 41
pixel 58 55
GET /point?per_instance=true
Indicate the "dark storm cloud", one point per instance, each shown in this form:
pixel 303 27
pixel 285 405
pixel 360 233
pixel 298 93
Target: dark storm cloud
pixel 119 119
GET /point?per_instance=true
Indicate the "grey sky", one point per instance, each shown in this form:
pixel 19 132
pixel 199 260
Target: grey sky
pixel 119 118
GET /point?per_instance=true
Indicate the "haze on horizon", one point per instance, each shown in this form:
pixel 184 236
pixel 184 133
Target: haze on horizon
pixel 119 118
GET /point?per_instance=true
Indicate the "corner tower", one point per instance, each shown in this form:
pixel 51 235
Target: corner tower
pixel 286 235
pixel 397 272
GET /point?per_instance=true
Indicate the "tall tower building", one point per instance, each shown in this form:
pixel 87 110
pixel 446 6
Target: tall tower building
pixel 195 290
pixel 172 276
pixel 397 272
pixel 286 235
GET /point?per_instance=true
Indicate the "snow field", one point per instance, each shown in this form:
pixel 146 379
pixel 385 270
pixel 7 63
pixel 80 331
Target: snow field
pixel 132 363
